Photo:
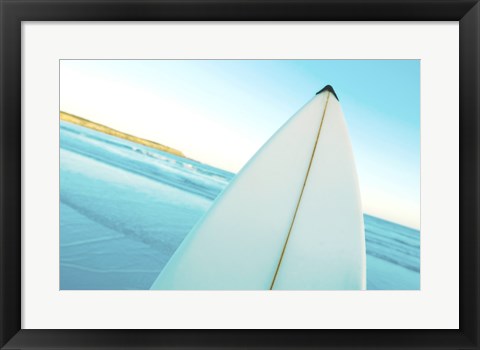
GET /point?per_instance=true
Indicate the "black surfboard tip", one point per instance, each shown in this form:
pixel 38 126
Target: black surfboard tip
pixel 328 88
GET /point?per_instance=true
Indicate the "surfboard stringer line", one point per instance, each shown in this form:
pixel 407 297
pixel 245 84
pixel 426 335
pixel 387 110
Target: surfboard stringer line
pixel 301 193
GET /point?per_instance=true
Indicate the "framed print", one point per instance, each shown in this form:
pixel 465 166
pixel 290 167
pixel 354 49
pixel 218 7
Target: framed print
pixel 239 174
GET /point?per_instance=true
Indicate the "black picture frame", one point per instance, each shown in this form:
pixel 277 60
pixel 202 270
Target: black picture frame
pixel 13 12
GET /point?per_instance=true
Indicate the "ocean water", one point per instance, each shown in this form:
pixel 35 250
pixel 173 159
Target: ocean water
pixel 125 208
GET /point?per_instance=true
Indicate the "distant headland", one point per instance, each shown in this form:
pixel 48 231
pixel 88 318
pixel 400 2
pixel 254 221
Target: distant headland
pixel 109 131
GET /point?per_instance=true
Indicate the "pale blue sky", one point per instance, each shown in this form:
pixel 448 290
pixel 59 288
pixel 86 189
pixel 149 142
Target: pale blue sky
pixel 221 112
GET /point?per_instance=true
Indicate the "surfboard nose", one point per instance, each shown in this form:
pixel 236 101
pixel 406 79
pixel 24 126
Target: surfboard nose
pixel 328 88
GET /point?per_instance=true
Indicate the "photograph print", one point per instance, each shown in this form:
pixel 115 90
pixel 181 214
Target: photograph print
pixel 239 175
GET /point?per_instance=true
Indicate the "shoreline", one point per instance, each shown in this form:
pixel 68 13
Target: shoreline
pixel 74 119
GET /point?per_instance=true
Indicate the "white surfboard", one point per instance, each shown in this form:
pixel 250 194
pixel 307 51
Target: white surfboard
pixel 291 219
